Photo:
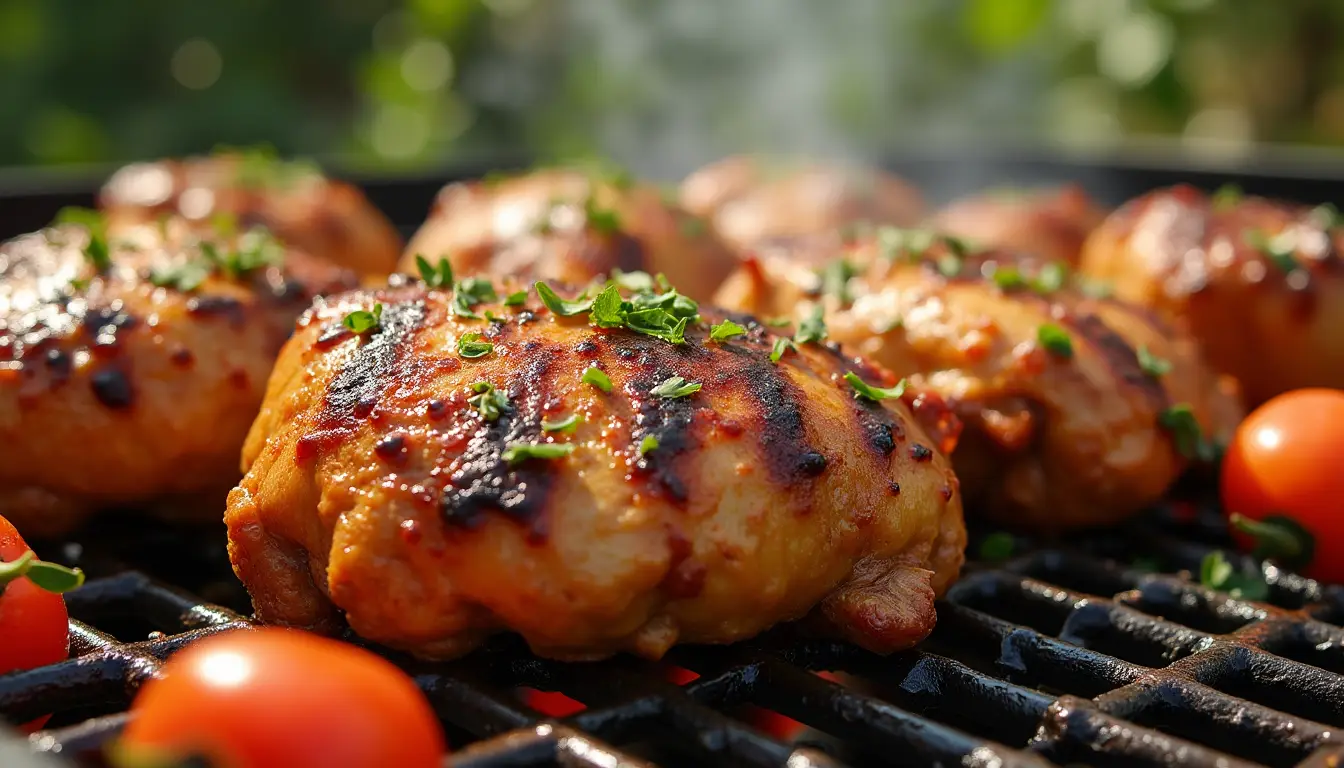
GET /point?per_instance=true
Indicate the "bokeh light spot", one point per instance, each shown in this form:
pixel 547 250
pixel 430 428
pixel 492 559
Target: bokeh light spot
pixel 196 64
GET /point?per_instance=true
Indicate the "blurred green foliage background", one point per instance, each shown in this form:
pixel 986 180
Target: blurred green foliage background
pixel 405 84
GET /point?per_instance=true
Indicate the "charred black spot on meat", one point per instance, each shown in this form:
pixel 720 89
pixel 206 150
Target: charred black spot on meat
pixel 812 464
pixel 227 307
pixel 894 488
pixel 112 388
pixel 586 348
pixel 391 449
pixel 105 324
pixel 372 368
pixel 921 452
pixel 783 439
pixel 482 481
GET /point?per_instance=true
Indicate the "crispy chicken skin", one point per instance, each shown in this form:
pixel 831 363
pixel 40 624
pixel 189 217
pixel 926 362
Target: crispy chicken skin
pixel 114 391
pixel 571 226
pixel 1050 224
pixel 1258 282
pixel 323 217
pixel 376 489
pixel 754 200
pixel 1052 439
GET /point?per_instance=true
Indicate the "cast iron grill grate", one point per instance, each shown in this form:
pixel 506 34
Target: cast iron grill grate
pixel 1100 651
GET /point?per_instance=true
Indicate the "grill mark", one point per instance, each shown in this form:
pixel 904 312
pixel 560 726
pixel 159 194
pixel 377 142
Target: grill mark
pixel 483 481
pixel 788 456
pixel 668 420
pixel 369 372
pixel 1119 355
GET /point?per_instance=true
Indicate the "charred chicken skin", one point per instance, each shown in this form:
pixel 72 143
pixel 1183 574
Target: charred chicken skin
pixel 1047 224
pixel 570 226
pixel 131 368
pixel 295 201
pixel 755 201
pixel 1258 282
pixel 437 478
pixel 1076 411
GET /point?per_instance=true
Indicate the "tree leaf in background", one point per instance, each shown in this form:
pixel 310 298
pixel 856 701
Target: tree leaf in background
pixel 999 26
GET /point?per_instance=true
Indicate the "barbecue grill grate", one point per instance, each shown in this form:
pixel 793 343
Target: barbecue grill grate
pixel 1064 654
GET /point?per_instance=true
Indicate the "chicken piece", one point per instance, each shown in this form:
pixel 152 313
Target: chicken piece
pixel 1050 224
pixel 397 478
pixel 1258 282
pixel 753 201
pixel 1076 411
pixel 115 391
pixel 570 226
pixel 323 217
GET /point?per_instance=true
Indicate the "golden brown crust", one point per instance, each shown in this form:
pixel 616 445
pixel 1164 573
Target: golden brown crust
pixel 114 391
pixel 1049 441
pixel 1050 224
pixel 376 489
pixel 323 217
pixel 569 226
pixel 1258 282
pixel 753 201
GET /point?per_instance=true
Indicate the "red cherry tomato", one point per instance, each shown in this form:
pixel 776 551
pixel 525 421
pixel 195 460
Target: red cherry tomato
pixel 1285 461
pixel 34 628
pixel 275 698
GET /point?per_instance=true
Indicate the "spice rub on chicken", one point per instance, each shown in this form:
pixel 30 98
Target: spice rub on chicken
pixel 619 473
pixel 754 201
pixel 303 208
pixel 1076 410
pixel 570 225
pixel 131 365
pixel 1259 283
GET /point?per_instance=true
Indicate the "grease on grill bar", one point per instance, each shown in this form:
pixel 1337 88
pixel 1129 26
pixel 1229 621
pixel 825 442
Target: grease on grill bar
pixel 1059 656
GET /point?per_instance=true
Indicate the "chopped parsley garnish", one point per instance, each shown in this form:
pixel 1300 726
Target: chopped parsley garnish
pixel 1008 278
pixel 261 166
pixel 725 330
pixel 649 443
pixel 560 306
pixel 491 403
pixel 812 330
pixel 674 387
pixel 185 277
pixel 635 282
pixel 997 547
pixel 603 220
pixel 1226 197
pixel 491 317
pixel 517 453
pixel 515 299
pixel 779 322
pixel 362 320
pixel 867 391
pixel 1152 364
pixel 835 278
pixel 597 378
pixel 1215 572
pixel 1055 340
pixel 950 264
pixel 96 250
pixel 782 344
pixel 1179 420
pixel 1050 278
pixel 606 310
pixel 435 275
pixel 255 249
pixel 478 290
pixel 894 241
pixel 469 345
pixel 567 424
pixel 1278 250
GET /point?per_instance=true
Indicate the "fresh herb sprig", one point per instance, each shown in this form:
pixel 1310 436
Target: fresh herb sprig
pixel 866 391
pixel 364 321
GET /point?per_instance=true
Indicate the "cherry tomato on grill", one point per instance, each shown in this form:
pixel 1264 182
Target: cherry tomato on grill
pixel 34 628
pixel 276 698
pixel 1283 483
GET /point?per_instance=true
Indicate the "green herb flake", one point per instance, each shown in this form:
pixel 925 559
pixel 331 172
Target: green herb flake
pixel 1050 278
pixel 603 220
pixel 782 345
pixel 469 345
pixel 997 547
pixel 779 322
pixel 894 241
pixel 674 387
pixel 1214 570
pixel 1008 278
pixel 435 275
pixel 597 378
pixel 1151 364
pixel 185 277
pixel 648 444
pixel 635 282
pixel 560 306
pixel 478 290
pixel 835 278
pixel 1179 421
pixel 515 299
pixel 97 250
pixel 863 389
pixel 1279 250
pixel 950 264
pixel 490 402
pixel 606 311
pixel 364 321
pixel 812 330
pixel 567 424
pixel 1055 340
pixel 1226 197
pixel 725 330
pixel 517 453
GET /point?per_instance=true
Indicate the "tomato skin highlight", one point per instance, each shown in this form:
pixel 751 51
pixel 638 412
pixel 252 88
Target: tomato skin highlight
pixel 276 698
pixel 1285 461
pixel 34 624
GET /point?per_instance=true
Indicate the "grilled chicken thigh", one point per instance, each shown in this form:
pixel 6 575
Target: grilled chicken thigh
pixel 1051 224
pixel 326 218
pixel 569 226
pixel 131 369
pixel 1077 411
pixel 1257 281
pixel 753 201
pixel 436 478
